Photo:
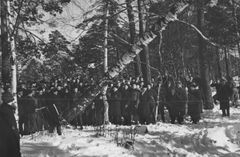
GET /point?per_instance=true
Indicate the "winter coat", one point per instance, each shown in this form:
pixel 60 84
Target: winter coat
pixel 29 105
pixel 235 96
pixel 178 100
pixel 52 111
pixel 224 96
pixel 146 106
pixel 125 101
pixel 194 103
pixel 9 136
pixel 67 102
pixel 99 111
pixel 76 99
pixel 115 103
pixel 134 99
pixel 218 88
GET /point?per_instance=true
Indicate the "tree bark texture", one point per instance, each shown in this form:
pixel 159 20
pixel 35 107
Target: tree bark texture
pixel 13 62
pixel 218 63
pixel 6 55
pixel 106 105
pixel 144 56
pixel 132 30
pixel 204 70
pixel 234 10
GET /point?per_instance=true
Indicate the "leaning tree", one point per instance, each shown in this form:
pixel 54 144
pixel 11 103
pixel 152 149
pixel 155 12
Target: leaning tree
pixel 127 58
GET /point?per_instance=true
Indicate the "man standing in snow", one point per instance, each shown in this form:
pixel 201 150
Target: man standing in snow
pixel 235 96
pixel 29 105
pixel 52 112
pixel 133 103
pixel 224 97
pixel 194 103
pixel 78 120
pixel 178 103
pixel 115 102
pixel 9 135
pixel 124 104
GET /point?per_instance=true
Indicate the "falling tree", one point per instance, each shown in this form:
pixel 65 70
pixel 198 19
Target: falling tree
pixel 127 58
pixel 132 30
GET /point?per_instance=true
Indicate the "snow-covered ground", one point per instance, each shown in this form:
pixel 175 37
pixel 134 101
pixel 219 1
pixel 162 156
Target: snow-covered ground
pixel 214 136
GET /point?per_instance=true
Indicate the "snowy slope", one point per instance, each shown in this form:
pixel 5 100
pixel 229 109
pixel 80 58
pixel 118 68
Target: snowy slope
pixel 215 136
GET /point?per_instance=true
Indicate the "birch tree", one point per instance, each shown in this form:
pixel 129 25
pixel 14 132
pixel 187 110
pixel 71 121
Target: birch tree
pixel 127 58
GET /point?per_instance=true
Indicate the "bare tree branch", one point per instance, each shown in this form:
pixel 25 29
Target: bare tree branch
pixel 15 26
pixel 29 32
pixel 201 34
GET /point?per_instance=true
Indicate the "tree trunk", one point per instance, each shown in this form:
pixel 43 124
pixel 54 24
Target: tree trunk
pixel 11 39
pixel 106 40
pixel 159 51
pixel 132 30
pixel 234 10
pixel 218 63
pixel 226 63
pixel 127 58
pixel 158 101
pixel 106 105
pixel 204 71
pixel 160 66
pixel 144 56
pixel 6 66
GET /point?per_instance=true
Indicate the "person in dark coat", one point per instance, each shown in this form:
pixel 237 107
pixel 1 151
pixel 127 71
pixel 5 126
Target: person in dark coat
pixel 29 111
pixel 41 121
pixel 67 100
pixel 115 102
pixel 224 97
pixel 152 100
pixel 143 107
pixel 146 106
pixel 177 102
pixel 134 99
pixel 235 97
pixel 126 117
pixel 78 120
pixel 99 110
pixel 194 103
pixel 9 135
pixel 60 102
pixel 52 112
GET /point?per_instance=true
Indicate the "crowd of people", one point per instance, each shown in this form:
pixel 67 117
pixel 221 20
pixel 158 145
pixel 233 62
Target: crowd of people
pixel 43 105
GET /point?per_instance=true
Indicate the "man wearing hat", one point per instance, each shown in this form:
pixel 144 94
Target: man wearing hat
pixel 29 106
pixel 194 103
pixel 224 97
pixel 10 140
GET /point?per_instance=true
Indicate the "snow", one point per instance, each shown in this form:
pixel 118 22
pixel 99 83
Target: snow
pixel 214 136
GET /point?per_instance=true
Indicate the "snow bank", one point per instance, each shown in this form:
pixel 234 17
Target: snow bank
pixel 214 136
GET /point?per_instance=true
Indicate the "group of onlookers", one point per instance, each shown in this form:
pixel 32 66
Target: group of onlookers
pixel 227 93
pixel 43 105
